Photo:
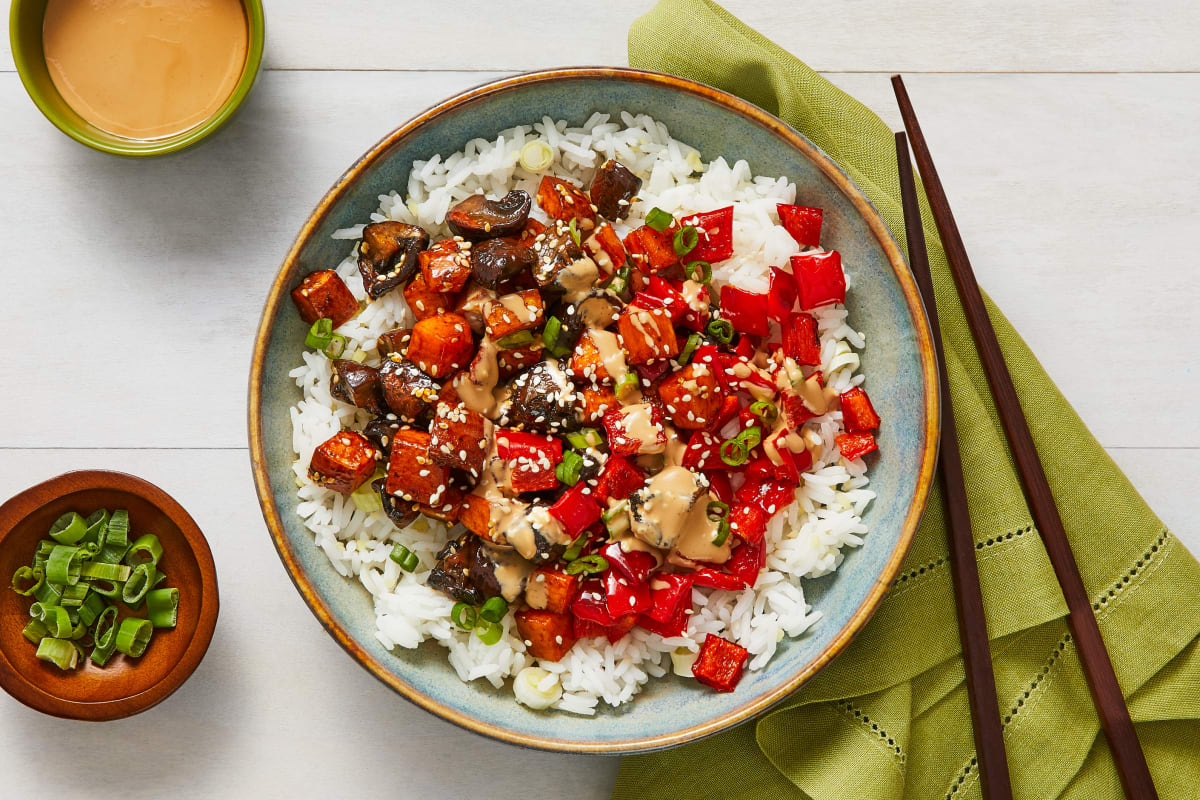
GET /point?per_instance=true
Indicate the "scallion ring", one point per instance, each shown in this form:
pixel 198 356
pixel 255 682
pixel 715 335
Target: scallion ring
pixel 751 437
pixel 97 526
pixel 568 469
pixel 406 558
pixel 576 549
pixel 588 565
pixel 140 581
pixel 659 220
pixel 336 346
pixel 722 533
pixel 27 580
pixel 494 609
pixel 133 636
pixel 585 439
pixel 68 529
pixel 552 338
pixel 689 347
pixel 319 334
pixel 734 453
pixel 627 384
pixel 118 529
pixel 162 607
pixel 145 550
pixel 686 239
pixel 63 565
pixel 721 330
pixel 35 631
pixel 59 652
pixel 699 271
pixel 488 632
pixel 765 410
pixel 536 156
pixel 464 616
pixel 515 340
pixel 716 510
pixel 573 227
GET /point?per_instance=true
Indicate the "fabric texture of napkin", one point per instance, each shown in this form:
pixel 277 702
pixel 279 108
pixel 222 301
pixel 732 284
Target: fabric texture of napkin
pixel 889 717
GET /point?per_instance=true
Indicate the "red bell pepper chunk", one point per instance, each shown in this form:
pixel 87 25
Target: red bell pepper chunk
pixel 857 412
pixel 660 293
pixel 703 452
pixel 748 521
pixel 718 484
pixel 586 628
pixel 576 509
pixel 719 663
pixel 668 594
pixel 716 579
pixel 652 372
pixel 746 562
pixel 590 604
pixel 792 465
pixel 625 596
pixel 856 445
pixel 675 626
pixel 715 229
pixel 820 278
pixel 800 340
pixel 730 407
pixel 802 222
pixel 757 471
pixel 619 479
pixel 619 628
pixel 621 442
pixel 746 311
pixel 633 565
pixel 782 295
pixel 744 348
pixel 768 494
pixel 532 457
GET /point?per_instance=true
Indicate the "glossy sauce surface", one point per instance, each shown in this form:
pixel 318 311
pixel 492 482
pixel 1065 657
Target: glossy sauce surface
pixel 145 69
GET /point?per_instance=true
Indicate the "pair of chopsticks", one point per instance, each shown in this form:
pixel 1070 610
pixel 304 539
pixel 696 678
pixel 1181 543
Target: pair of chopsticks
pixel 981 686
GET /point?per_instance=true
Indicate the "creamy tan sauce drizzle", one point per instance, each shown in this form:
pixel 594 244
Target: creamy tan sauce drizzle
pixel 477 385
pixel 611 354
pixel 696 543
pixel 512 572
pixel 578 278
pixel 667 498
pixel 639 425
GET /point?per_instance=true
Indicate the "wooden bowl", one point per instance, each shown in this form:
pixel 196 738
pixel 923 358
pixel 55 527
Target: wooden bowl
pixel 125 686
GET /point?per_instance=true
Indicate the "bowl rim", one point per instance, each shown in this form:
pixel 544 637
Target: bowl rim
pixel 285 276
pixel 25 58
pixel 21 505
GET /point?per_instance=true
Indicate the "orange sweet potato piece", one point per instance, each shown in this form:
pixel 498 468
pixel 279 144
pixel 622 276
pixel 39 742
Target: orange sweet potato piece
pixel 512 361
pixel 551 589
pixel 512 313
pixel 448 507
pixel 476 515
pixel 597 400
pixel 412 474
pixel 650 250
pixel 343 462
pixel 549 635
pixel 586 364
pixel 691 396
pixel 530 232
pixel 425 302
pixel 646 334
pixel 441 345
pixel 323 294
pixel 458 437
pixel 606 249
pixel 446 266
pixel 561 199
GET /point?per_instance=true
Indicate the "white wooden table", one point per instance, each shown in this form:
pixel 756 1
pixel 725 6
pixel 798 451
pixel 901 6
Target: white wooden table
pixel 1065 133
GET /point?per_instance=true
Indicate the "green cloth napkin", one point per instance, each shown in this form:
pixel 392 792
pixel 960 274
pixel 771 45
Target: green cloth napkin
pixel 889 717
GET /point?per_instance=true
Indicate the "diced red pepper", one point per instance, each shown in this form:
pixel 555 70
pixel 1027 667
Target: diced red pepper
pixel 675 626
pixel 621 442
pixel 633 565
pixel 718 484
pixel 576 509
pixel 746 311
pixel 820 278
pixel 619 479
pixel 790 465
pixel 618 629
pixel 800 340
pixel 625 596
pixel 782 295
pixel 668 593
pixel 748 521
pixel 703 452
pixel 719 663
pixel 802 222
pixel 730 407
pixel 590 604
pixel 532 457
pixel 746 562
pixel 652 372
pixel 586 628
pixel 713 578
pixel 768 494
pixel 857 412
pixel 856 445
pixel 758 470
pixel 715 229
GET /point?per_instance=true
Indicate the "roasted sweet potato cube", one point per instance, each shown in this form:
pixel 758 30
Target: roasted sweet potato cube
pixel 605 248
pixel 476 515
pixel 323 294
pixel 512 313
pixel 597 400
pixel 587 363
pixel 447 508
pixel 551 589
pixel 425 302
pixel 343 462
pixel 549 635
pixel 393 342
pixel 513 360
pixel 647 334
pixel 407 390
pixel 651 250
pixel 412 474
pixel 530 232
pixel 441 345
pixel 691 396
pixel 561 199
pixel 459 438
pixel 446 266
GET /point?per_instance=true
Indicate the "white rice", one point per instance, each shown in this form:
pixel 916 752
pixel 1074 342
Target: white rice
pixel 804 541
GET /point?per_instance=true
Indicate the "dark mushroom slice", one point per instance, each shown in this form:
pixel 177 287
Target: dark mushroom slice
pixel 408 391
pixel 393 342
pixel 499 572
pixel 358 385
pixel 556 250
pixel 473 304
pixel 452 575
pixel 401 512
pixel 387 256
pixel 613 189
pixel 542 398
pixel 498 260
pixel 478 218
pixel 382 430
pixel 597 309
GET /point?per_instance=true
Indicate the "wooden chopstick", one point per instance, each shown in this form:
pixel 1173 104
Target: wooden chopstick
pixel 968 599
pixel 1102 680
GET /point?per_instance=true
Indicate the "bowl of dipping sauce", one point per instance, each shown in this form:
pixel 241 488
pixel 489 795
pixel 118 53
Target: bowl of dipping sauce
pixel 137 77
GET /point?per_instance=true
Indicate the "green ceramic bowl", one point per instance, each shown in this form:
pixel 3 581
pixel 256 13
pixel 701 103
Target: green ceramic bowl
pixel 25 35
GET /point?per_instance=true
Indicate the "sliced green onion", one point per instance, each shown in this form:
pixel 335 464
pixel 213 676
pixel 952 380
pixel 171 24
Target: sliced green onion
pixel 133 636
pixel 48 594
pixel 105 571
pixel 515 340
pixel 464 616
pixel 90 549
pixel 68 529
pixel 366 498
pixel 118 529
pixel 618 284
pixel 407 559
pixel 494 609
pixel 536 156
pixel 104 633
pixel 568 469
pixel 722 533
pixel 144 550
pixel 159 577
pixel 320 334
pixel 359 356
pixel 111 553
pixel 56 619
pixel 716 510
pixel 63 565
pixel 588 565
pixel 107 588
pixel 659 220
pixel 74 594
pixel 336 346
pixel 59 652
pixel 576 549
pixel 627 383
pixel 140 581
pixel 79 631
pixel 585 439
pixel 689 347
pixel 620 507
pixel 27 580
pixel 765 410
pixel 488 632
pixel 93 605
pixel 750 438
pixel 686 239
pixel 97 526
pixel 699 271
pixel 721 330
pixel 734 453
pixel 573 227
pixel 552 338
pixel 162 607
pixel 35 631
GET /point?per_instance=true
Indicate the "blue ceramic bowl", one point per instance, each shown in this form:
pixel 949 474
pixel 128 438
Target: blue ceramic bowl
pixel 898 362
